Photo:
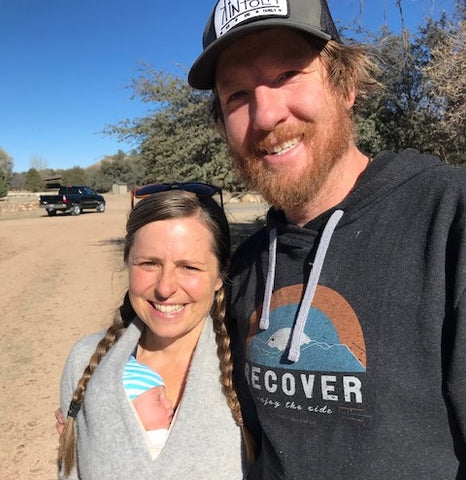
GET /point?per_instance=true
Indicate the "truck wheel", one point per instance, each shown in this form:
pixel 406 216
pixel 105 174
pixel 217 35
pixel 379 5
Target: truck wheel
pixel 101 207
pixel 51 213
pixel 76 210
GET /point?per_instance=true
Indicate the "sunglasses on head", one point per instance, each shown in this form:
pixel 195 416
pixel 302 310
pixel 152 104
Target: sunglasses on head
pixel 198 188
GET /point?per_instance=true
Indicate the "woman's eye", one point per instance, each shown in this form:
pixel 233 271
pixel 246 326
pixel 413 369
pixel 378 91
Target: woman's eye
pixel 190 268
pixel 147 265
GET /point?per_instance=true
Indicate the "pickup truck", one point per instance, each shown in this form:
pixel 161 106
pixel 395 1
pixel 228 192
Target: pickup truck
pixel 72 199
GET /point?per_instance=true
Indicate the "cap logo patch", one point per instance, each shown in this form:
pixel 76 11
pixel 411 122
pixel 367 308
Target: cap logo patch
pixel 231 13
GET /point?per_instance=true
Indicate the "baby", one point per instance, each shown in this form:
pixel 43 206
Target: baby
pixel 146 390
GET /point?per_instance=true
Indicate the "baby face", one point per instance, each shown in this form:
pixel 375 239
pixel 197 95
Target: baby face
pixel 154 408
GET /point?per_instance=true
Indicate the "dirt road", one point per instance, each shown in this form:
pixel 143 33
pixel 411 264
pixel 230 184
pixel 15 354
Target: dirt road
pixel 61 278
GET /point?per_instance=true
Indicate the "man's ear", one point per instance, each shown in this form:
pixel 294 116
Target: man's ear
pixel 351 98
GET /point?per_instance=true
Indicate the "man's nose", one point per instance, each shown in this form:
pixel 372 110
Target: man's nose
pixel 268 108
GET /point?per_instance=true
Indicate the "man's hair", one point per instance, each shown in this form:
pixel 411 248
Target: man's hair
pixel 349 67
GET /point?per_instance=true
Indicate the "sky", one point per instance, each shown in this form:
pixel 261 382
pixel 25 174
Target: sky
pixel 66 66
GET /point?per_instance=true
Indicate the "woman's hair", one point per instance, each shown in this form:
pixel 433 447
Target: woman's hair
pixel 163 206
pixel 349 67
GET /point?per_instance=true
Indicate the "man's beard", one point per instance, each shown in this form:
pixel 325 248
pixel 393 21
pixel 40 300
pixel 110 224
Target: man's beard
pixel 288 190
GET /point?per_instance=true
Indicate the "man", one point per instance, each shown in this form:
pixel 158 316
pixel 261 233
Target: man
pixel 350 304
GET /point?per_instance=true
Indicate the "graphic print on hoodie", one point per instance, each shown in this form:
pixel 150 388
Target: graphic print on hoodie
pixel 307 346
pixel 332 349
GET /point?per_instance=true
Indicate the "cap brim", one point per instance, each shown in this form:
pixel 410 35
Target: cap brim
pixel 202 73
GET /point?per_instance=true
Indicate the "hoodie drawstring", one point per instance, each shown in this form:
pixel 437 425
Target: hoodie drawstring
pixel 294 351
pixel 264 321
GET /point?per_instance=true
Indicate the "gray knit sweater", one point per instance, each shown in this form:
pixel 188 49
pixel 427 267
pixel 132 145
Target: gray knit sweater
pixel 204 442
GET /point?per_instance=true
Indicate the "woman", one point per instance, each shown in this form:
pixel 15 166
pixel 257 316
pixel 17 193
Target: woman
pixel 172 320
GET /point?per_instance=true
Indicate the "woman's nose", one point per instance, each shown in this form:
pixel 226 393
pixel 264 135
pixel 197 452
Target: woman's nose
pixel 165 284
pixel 267 109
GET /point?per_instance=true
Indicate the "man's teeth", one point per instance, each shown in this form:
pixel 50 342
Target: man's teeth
pixel 285 146
pixel 168 308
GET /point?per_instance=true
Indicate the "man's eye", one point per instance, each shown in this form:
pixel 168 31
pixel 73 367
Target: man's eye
pixel 287 75
pixel 236 96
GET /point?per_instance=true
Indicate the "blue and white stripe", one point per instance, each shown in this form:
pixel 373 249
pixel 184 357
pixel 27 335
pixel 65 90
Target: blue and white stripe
pixel 138 378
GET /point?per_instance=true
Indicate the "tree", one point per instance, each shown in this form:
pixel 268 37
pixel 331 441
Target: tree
pixel 33 181
pixel 37 162
pixel 74 176
pixel 446 80
pixel 3 184
pixel 17 181
pixel 395 117
pixel 177 140
pixel 6 164
pixel 423 102
pixel 118 168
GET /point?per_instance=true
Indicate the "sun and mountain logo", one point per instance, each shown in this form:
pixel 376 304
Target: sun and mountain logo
pixel 329 375
pixel 332 340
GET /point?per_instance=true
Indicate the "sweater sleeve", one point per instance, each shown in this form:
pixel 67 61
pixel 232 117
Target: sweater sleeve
pixel 454 335
pixel 456 382
pixel 77 361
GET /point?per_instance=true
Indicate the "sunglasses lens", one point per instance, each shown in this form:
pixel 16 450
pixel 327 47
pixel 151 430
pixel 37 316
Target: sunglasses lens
pixel 198 188
pixel 150 189
pixel 202 189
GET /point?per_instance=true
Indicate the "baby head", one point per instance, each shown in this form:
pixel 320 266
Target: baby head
pixel 154 408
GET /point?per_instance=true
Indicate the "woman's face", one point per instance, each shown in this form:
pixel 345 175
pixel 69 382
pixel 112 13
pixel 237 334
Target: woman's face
pixel 173 277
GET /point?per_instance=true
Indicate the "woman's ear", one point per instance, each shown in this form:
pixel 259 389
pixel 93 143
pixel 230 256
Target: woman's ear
pixel 218 284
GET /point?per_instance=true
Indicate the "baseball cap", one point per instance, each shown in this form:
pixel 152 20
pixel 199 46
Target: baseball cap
pixel 232 19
